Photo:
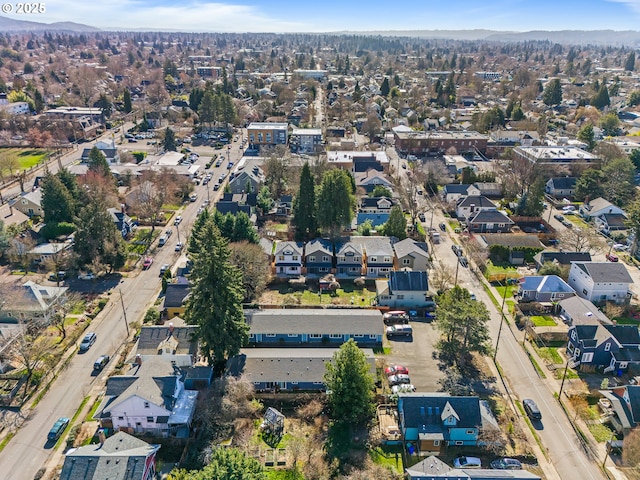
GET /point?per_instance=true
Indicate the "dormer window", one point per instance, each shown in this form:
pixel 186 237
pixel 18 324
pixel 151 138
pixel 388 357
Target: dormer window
pixel 607 346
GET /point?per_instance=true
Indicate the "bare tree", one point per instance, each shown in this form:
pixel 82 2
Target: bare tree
pixel 251 261
pixel 64 307
pixel 31 352
pixel 8 164
pixel 19 252
pixel 149 198
pixel 277 170
pixel 581 240
pixel 631 448
pixel 441 276
pixel 492 438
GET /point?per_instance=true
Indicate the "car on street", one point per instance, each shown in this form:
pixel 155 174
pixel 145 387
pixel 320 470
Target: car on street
pixel 395 317
pixel 222 177
pixel 86 276
pixel 467 462
pixel 399 379
pixel 558 217
pixel 88 340
pixel 620 247
pixel 193 197
pixel 101 362
pixel 443 227
pixel 531 409
pixel 229 165
pixel 457 249
pixel 395 370
pixel 422 217
pixel 147 263
pixel 611 257
pixel 399 331
pixel 179 246
pixel 199 211
pixel 463 261
pixel 506 464
pixel 58 429
pixel 216 187
pixel 403 388
pixel 177 220
pixel 164 268
pixel 58 277
pixel 567 223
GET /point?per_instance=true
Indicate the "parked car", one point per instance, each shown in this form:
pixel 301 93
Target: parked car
pixel 467 462
pixel 179 246
pixel 611 257
pixel 457 249
pixel 88 340
pixel 558 217
pixel 399 331
pixel 399 379
pixel 395 370
pixel 86 276
pixel 164 268
pixel 422 217
pixel 620 247
pixel 443 227
pixel 147 263
pixel 216 187
pixel 531 409
pixel 101 362
pixel 58 276
pixel 193 197
pixel 395 317
pixel 567 223
pixel 177 220
pixel 58 429
pixel 506 464
pixel 463 261
pixel 403 388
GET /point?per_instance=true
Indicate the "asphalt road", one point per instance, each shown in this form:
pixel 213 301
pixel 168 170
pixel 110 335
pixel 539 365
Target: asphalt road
pixel 28 450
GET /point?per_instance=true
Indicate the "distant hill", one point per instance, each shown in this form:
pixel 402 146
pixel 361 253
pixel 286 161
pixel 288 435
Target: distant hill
pixel 12 25
pixel 579 37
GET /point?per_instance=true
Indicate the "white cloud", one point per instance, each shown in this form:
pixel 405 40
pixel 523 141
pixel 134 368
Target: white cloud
pixel 194 16
pixel 633 4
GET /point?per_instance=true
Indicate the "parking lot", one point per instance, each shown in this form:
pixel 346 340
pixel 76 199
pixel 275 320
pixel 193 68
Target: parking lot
pixel 416 353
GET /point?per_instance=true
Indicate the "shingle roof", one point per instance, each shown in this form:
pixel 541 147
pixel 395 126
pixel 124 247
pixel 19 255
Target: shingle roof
pixel 374 246
pixel 615 219
pixel 460 188
pixel 410 247
pixel 151 337
pixel 614 272
pixel 317 321
pixel 373 202
pixel 415 408
pixel 175 294
pixel 349 246
pixel 408 281
pixel 582 311
pixel 121 457
pixel 478 201
pixel 318 245
pixel 296 247
pixel 563 258
pixel 563 183
pixel 626 335
pixel 491 216
pixel 511 240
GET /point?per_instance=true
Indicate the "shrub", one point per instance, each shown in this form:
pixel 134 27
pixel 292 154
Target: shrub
pixel 55 230
pixel 139 156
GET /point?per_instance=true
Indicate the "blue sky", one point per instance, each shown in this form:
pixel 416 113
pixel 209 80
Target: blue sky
pixel 335 15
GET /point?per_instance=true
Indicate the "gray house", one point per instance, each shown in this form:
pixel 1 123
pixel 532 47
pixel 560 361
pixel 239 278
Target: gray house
pixel 411 255
pixel 432 468
pixel 379 255
pixel 489 221
pixel 318 257
pixel 544 289
pixel 561 258
pixel 561 186
pixel 247 180
pixel 286 369
pixel 349 260
pixel 314 327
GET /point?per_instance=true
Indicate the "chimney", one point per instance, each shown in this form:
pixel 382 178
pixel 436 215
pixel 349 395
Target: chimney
pixel 101 436
pixel 171 328
pixel 138 360
pixel 122 207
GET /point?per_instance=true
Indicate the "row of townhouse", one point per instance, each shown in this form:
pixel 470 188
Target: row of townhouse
pixel 354 257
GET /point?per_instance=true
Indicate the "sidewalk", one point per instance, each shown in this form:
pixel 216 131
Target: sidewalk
pixel 597 450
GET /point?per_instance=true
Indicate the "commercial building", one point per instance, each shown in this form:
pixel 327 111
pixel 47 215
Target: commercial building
pixel 263 134
pixel 421 143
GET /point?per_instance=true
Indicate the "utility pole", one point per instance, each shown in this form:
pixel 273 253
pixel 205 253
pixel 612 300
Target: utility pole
pixel 178 230
pixel 504 297
pixel 124 313
pixel 455 283
pixel 564 376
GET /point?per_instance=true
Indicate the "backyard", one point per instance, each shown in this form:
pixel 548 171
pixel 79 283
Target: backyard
pixel 348 294
pixel 543 321
pixel 499 273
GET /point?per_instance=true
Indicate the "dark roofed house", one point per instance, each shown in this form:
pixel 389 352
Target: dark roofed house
pixel 611 222
pixel 318 257
pixel 489 221
pixel 286 369
pixel 174 341
pixel 120 457
pixel 123 222
pixel 468 207
pixel 561 186
pixel 174 299
pixel 405 290
pixel 625 402
pixel 312 327
pixel 561 258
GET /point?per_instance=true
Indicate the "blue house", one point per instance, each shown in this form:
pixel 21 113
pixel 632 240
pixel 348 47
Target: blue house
pixel 544 289
pixel 123 222
pixel 318 257
pixel 315 327
pixel 430 422
pixel 287 369
pixel 610 347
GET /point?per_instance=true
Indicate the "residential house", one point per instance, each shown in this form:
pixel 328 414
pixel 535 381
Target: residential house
pixel 561 186
pixel 175 298
pixel 267 248
pixel 234 203
pixel 313 327
pixel 288 259
pixel 432 468
pixel 374 209
pixel 174 342
pixel 411 255
pixel 350 260
pixel 287 369
pixel 29 203
pixel 469 206
pixel 156 120
pixel 121 456
pixel 543 289
pixel 625 403
pixel 430 422
pixel 247 180
pixel 609 347
pixel 597 207
pixel 576 311
pixel 318 257
pixel 370 179
pixel 405 290
pixel 489 221
pixel 611 222
pixel 453 192
pixel 108 149
pixel 356 162
pixel 489 189
pixel 123 222
pixel 31 302
pixel 50 251
pixel 379 255
pixel 150 398
pixel 600 281
pixel 561 258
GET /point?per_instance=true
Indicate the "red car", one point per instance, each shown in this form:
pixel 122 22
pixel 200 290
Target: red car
pixel 611 257
pixel 147 263
pixel 396 370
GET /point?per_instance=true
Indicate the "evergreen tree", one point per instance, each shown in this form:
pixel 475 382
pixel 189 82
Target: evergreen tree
pixel 589 185
pixel 243 229
pixel 396 225
pixel 351 385
pixel 634 156
pixel 225 464
pixel 384 88
pixel 634 98
pixel 552 94
pixel 630 63
pixel 169 140
pixel 57 202
pixel 619 186
pixel 586 135
pixel 215 300
pixel 336 201
pixel 97 163
pixel 126 101
pixel 304 207
pixel 601 99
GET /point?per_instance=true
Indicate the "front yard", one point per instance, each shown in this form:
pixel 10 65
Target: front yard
pixel 543 321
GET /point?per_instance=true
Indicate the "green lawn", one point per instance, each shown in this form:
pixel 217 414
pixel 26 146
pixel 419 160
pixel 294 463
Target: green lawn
pixel 389 456
pixel 550 354
pixel 577 221
pixel 543 321
pixel 500 273
pixel 626 321
pixel 509 289
pixel 25 157
pixel 600 432
pixel 342 296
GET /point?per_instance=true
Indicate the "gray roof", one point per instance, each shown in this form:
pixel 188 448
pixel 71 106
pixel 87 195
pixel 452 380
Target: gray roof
pixel 286 364
pixel 477 200
pixel 629 416
pixel 318 245
pixel 151 338
pixel 545 284
pixel 349 246
pixel 512 240
pixel 409 247
pixel 491 216
pixel 563 183
pixel 176 294
pixel 408 281
pixel 460 188
pixel 614 272
pixel 296 247
pixel 415 407
pixel 563 258
pixel 582 311
pixel 316 321
pixel 374 246
pixel 121 457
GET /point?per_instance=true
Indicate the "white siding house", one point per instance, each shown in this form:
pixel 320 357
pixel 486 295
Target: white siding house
pixel 600 281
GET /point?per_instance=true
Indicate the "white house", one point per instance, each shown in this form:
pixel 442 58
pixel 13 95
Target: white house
pixel 453 192
pixel 597 207
pixel 407 290
pixel 470 206
pixel 600 281
pixel 288 259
